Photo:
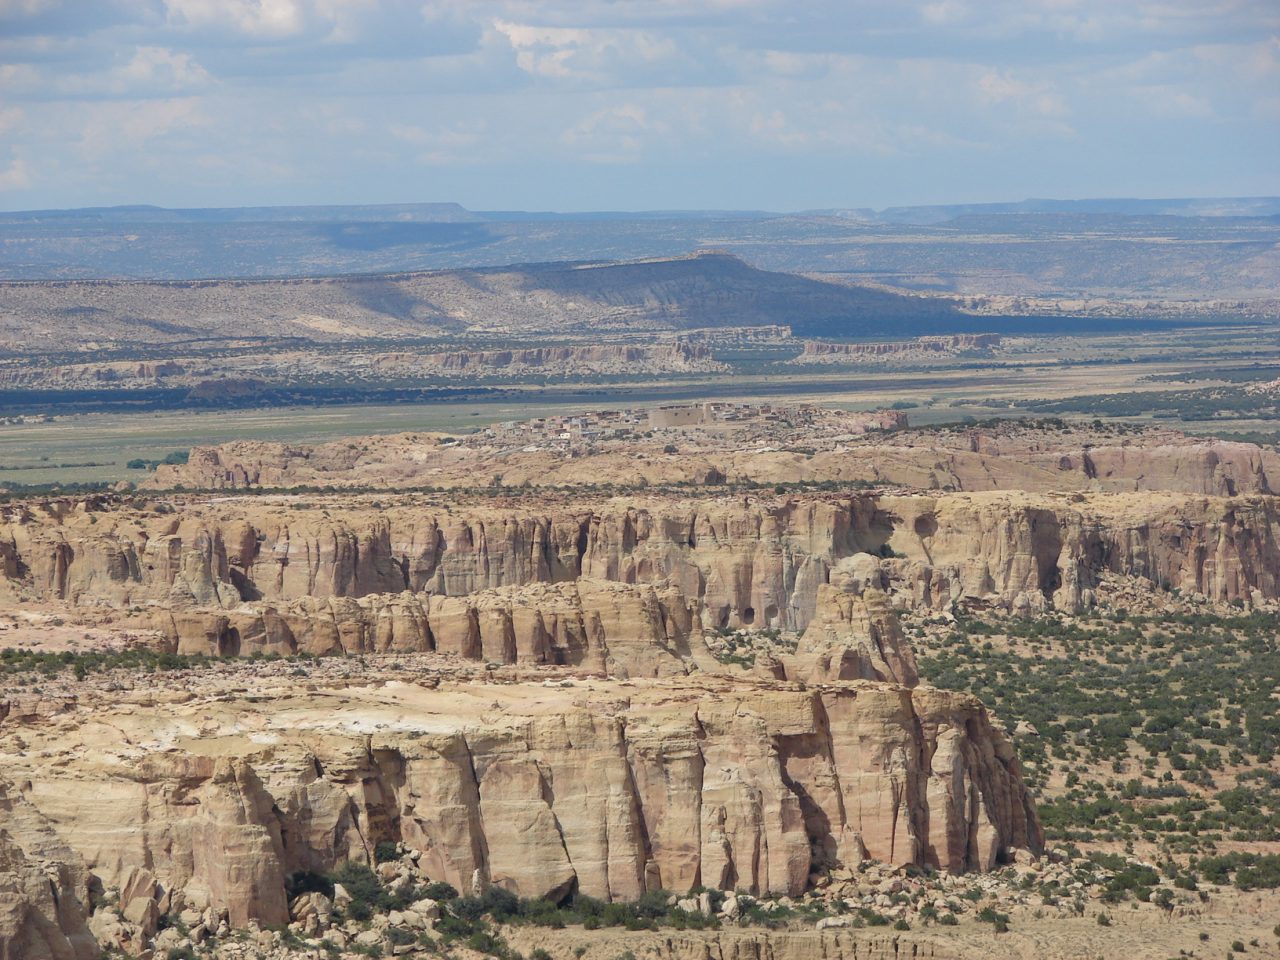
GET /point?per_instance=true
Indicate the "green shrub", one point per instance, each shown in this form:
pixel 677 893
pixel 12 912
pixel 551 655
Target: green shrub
pixel 399 936
pixel 482 941
pixel 440 891
pixel 364 888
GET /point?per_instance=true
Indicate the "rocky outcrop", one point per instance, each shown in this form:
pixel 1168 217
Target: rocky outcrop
pixel 737 944
pixel 788 445
pixel 1029 553
pixel 571 359
pixel 918 348
pixel 44 888
pixel 745 562
pixel 610 628
pixel 608 787
pixel 123 373
pixel 854 635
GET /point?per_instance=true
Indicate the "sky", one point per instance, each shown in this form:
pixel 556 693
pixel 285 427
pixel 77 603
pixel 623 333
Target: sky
pixel 635 104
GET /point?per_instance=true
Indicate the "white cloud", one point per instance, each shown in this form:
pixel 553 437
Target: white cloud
pixel 944 12
pixel 122 126
pixel 18 78
pixel 441 146
pixel 16 176
pixel 255 18
pixel 618 134
pixel 10 118
pixel 585 54
pixel 1170 101
pixel 1035 96
pixel 156 67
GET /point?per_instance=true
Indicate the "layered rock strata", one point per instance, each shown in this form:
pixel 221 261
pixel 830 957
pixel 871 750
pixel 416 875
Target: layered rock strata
pixel 609 628
pixel 221 791
pixel 917 348
pixel 743 562
pixel 44 888
pixel 569 359
pixel 976 460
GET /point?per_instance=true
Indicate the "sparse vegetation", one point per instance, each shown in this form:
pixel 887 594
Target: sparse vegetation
pixel 1154 729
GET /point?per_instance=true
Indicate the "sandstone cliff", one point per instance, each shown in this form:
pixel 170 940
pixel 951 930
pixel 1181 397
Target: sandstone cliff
pixel 608 787
pixel 674 357
pixel 44 888
pixel 741 561
pixel 609 628
pixel 919 348
pixel 971 460
pixel 854 633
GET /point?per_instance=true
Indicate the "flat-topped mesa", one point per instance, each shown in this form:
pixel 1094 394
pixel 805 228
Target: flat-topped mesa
pixel 763 446
pixel 673 357
pixel 610 788
pixel 747 562
pixel 917 348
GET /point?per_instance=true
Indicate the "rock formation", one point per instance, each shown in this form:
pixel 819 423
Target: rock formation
pixel 672 357
pixel 816 351
pixel 44 888
pixel 771 452
pixel 742 562
pixel 604 627
pixel 854 635
pixel 607 787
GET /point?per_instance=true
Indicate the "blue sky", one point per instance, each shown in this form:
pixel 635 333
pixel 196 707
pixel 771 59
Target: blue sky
pixel 624 104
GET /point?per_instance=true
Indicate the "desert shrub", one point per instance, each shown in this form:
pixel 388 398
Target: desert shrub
pixel 440 891
pixel 364 888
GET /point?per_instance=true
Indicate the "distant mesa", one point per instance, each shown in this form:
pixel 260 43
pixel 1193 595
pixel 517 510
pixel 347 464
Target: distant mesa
pixel 673 294
pixel 817 351
pixel 226 388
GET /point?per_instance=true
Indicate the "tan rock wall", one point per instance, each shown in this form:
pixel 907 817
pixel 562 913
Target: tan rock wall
pixel 746 562
pixel 624 787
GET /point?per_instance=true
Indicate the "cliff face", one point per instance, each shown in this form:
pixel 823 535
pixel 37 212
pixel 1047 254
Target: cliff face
pixel 600 747
pixel 44 888
pixel 975 460
pixel 611 628
pixel 817 351
pixel 741 562
pixel 601 358
pixel 608 787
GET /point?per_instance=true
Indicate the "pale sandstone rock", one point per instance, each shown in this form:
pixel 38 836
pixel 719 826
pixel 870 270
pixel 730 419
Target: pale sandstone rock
pixel 854 635
pixel 617 789
pixel 384 581
pixel 600 626
pixel 43 888
pixel 979 459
